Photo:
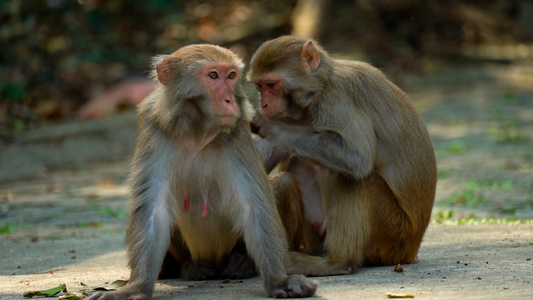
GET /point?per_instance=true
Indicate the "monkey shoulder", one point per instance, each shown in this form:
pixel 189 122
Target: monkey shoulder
pixel 349 67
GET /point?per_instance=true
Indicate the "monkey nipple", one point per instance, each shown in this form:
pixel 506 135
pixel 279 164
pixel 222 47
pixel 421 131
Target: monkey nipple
pixel 205 209
pixel 186 204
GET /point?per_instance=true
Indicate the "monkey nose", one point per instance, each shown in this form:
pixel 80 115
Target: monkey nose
pixel 229 99
pixel 264 105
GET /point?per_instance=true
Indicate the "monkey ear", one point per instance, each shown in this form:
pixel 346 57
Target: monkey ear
pixel 163 69
pixel 310 56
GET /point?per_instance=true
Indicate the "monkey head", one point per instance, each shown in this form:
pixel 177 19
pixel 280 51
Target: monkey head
pixel 288 72
pixel 204 79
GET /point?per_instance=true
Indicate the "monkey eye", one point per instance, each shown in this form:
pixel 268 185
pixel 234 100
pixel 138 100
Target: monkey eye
pixel 213 75
pixel 270 84
pixel 232 75
pixel 258 86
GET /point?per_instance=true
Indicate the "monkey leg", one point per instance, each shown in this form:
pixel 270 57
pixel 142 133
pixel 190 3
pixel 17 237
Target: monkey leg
pixel 348 225
pixel 300 235
pixel 148 237
pixel 302 238
pixel 393 239
pixel 179 264
pixel 367 226
pixel 309 265
pixel 347 229
pixel 177 255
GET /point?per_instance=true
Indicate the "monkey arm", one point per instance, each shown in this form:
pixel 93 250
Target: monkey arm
pixel 326 147
pixel 148 234
pixel 261 218
pixel 270 154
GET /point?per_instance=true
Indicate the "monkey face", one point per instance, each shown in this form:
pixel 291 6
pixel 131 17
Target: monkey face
pixel 219 81
pixel 285 71
pixel 273 100
pixel 203 82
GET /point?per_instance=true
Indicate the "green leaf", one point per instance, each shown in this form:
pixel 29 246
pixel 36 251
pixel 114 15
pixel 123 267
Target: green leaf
pixel 47 293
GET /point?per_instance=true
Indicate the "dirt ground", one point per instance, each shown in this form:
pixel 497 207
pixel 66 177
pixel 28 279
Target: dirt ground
pixel 67 226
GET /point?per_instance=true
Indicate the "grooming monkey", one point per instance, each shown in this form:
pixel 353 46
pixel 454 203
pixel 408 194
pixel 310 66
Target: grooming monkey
pixel 360 152
pixel 198 189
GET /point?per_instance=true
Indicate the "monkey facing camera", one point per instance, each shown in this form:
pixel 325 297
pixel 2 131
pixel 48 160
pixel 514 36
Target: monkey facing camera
pixel 202 206
pixel 358 148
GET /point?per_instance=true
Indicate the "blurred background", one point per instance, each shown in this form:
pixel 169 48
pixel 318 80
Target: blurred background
pixel 71 73
pixel 57 55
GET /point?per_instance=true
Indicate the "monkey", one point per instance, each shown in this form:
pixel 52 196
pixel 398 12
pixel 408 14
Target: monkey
pixel 288 197
pixel 359 149
pixel 198 189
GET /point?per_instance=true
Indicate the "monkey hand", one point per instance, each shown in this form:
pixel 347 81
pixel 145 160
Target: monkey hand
pixel 254 125
pixel 294 286
pixel 124 293
pixel 260 125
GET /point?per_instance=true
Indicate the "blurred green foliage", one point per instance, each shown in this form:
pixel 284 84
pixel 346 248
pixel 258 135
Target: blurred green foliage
pixel 57 54
pixel 471 195
pixel 456 147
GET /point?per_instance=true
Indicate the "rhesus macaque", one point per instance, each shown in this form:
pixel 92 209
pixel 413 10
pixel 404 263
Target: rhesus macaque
pixel 360 152
pixel 198 188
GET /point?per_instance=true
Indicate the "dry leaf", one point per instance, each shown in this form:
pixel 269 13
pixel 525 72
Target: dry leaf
pixel 392 295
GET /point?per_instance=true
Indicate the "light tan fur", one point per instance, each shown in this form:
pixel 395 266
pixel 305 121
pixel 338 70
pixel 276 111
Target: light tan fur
pixel 200 197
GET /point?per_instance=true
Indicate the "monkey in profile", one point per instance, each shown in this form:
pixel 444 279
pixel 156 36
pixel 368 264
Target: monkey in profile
pixel 198 189
pixel 359 149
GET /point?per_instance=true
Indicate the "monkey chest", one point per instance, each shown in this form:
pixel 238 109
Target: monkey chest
pixel 203 205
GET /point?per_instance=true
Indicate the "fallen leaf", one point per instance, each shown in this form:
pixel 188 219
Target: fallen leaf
pixel 392 295
pixel 398 268
pixel 46 293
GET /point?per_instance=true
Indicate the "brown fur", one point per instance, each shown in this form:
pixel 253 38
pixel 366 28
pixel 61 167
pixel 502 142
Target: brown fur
pixel 356 142
pixel 290 207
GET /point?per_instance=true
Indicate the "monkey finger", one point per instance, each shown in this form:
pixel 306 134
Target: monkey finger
pixel 294 291
pixel 254 128
pixel 296 286
pixel 300 286
pixel 118 295
pixel 262 132
pixel 259 120
pixel 281 294
pixel 309 288
pixel 260 125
